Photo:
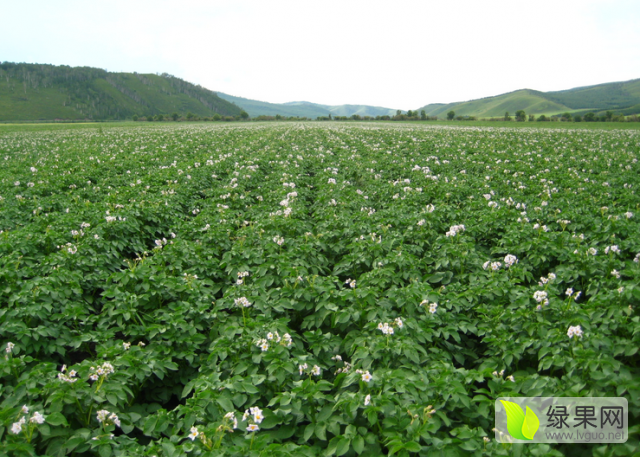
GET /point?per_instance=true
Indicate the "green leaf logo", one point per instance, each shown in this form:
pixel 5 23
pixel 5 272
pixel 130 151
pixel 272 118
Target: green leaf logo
pixel 521 427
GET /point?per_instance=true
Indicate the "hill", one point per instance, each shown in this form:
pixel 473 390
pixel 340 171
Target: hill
pixel 44 92
pixel 305 109
pixel 621 97
pixel 297 109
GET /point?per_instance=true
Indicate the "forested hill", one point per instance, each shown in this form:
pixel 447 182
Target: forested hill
pixel 619 97
pixel 48 92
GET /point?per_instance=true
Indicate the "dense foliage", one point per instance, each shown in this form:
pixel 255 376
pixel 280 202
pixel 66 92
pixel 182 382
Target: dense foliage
pixel 35 91
pixel 349 290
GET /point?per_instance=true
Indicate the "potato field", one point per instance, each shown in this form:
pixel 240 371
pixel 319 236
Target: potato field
pixel 312 289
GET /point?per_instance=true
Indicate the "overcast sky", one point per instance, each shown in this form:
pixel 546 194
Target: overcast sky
pixel 397 54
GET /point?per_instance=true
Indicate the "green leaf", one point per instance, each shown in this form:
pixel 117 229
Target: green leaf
pixel 343 446
pixel 168 448
pixel 324 414
pixel 270 421
pixel 321 431
pixel 57 419
pixel 150 425
pixel 358 444
pixel 308 431
pixel 413 446
pixel 104 450
pixel 225 403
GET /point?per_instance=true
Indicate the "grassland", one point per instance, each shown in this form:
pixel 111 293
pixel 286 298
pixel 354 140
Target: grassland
pixel 621 97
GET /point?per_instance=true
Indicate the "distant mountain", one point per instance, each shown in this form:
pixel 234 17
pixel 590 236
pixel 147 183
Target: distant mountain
pixel 304 109
pixel 620 97
pixel 256 108
pixel 35 91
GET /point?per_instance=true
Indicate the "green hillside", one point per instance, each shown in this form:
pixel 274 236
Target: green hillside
pixel 46 92
pixel 297 109
pixel 533 102
pixel 305 109
pixel 362 110
pixel 621 97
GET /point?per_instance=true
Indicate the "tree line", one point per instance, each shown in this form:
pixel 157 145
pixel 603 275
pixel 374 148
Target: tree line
pixel 521 116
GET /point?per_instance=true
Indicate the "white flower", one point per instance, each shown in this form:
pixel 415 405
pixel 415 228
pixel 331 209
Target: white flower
pixel 17 426
pixel 486 264
pixel 126 346
pixel 194 433
pixel 421 222
pixel 102 415
pixel 433 307
pixel 539 295
pixel 616 273
pixel 385 328
pixel 302 367
pixel 37 418
pixel 331 181
pixel 367 400
pixel 454 230
pixel 366 376
pixel 592 251
pixel 103 370
pixel 232 417
pixel 315 370
pixel 71 377
pixel 9 347
pixel 574 331
pixel 25 409
pixel 511 378
pixel 257 414
pixel 510 260
pixel 613 249
pixel 252 428
pixel 399 322
pixel 278 240
pixel 242 301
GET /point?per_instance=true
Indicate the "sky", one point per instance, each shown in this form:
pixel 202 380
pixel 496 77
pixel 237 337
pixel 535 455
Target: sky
pixel 396 54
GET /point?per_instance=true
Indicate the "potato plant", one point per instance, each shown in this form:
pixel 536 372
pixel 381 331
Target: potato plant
pixel 305 290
